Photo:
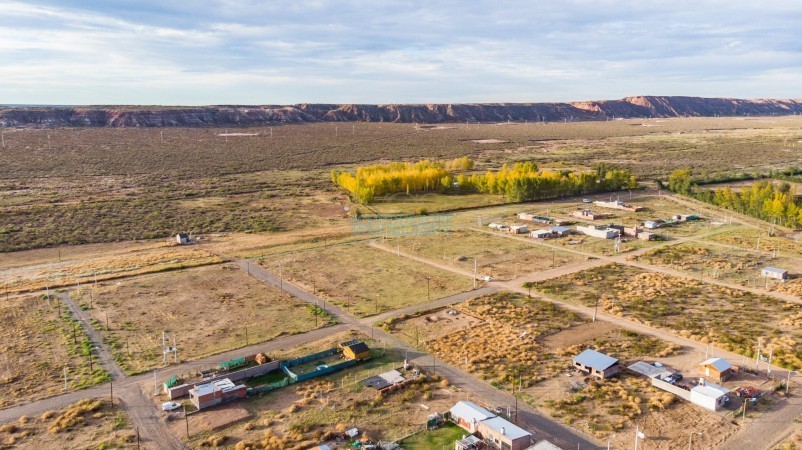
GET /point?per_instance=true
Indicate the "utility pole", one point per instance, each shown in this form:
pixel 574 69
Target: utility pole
pixel 281 276
pixel 757 359
pixel 768 366
pixel 595 309
pixel 186 419
pixel 137 438
pixel 474 273
pixel 428 292
pixel 111 393
pixel 65 379
pixel 246 331
pixel 787 381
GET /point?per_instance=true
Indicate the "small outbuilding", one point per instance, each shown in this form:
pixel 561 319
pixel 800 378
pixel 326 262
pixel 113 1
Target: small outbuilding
pixel 561 231
pixel 518 229
pixel 540 234
pixel 652 224
pixel 716 368
pixel 709 395
pixel 775 273
pixel 596 364
pixel 183 238
pixel 603 233
pixel 647 236
pixel 356 350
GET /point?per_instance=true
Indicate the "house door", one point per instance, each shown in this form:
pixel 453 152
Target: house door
pixel 707 371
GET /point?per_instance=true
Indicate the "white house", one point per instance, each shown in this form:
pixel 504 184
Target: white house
pixel 773 272
pixel 604 233
pixel 468 415
pixel 709 395
pixel 540 234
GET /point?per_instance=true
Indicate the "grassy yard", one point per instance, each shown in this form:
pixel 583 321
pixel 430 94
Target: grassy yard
pixel 208 309
pixel 365 280
pixel 689 308
pixel 37 344
pixel 443 437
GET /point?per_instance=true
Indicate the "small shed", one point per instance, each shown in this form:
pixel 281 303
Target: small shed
pixel 561 231
pixel 652 224
pixel 709 395
pixel 716 368
pixel 647 236
pixel 596 364
pixel 356 350
pixel 540 234
pixel 519 229
pixel 183 238
pixel 775 273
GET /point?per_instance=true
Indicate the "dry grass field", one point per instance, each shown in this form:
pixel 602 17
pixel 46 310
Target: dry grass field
pixel 365 280
pixel 496 256
pixel 88 423
pixel 208 309
pixel 747 238
pixel 69 266
pixel 83 185
pixel 36 345
pixel 729 318
pixel 713 261
pixel 510 339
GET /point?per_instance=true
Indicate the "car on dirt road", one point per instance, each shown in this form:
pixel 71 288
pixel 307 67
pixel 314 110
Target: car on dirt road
pixel 170 406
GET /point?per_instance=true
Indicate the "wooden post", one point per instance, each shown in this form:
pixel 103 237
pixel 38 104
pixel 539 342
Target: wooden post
pixel 186 419
pixel 111 393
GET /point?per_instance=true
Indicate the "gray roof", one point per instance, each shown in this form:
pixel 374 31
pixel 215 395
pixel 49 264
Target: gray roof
pixel 560 229
pixel 511 430
pixel 469 411
pixel 720 364
pixel 647 369
pixel 594 359
pixel 544 445
pixel 775 270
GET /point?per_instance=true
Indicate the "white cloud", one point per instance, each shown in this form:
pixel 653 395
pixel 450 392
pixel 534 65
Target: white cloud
pixel 412 51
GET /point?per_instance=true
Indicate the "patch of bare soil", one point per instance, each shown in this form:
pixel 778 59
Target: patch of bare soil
pixel 577 335
pixel 670 428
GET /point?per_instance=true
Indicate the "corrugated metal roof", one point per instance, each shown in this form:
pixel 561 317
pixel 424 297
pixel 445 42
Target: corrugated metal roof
pixel 711 390
pixel 775 270
pixel 544 445
pixel 469 411
pixel 649 370
pixel 560 229
pixel 594 359
pixel 720 364
pixel 511 430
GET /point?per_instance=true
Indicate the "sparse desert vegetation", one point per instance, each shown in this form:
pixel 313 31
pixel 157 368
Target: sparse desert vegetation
pixel 88 423
pixel 689 308
pixel 383 282
pixel 220 300
pixel 38 341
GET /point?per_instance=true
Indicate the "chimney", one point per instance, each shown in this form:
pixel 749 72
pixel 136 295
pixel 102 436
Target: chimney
pixel 502 431
pixel 701 381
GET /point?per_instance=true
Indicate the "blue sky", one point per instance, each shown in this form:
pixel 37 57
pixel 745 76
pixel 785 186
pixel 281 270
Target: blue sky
pixel 284 52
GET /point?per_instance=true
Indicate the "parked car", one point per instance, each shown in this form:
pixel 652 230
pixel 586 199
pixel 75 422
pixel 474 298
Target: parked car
pixel 487 278
pixel 170 406
pixel 587 200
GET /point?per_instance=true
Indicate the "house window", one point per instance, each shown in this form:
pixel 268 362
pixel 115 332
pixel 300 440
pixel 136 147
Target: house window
pixel 505 446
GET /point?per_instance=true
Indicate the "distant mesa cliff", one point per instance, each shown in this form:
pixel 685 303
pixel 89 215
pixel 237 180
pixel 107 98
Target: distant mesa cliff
pixel 630 107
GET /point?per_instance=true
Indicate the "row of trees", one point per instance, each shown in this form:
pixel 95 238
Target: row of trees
pixel 520 182
pixel 524 182
pixel 767 200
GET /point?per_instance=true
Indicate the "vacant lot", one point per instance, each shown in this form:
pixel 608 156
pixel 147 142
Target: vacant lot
pixel 73 265
pixel 689 308
pixel 366 280
pixel 207 309
pixel 88 423
pixel 752 239
pixel 513 343
pixel 713 261
pixel 497 256
pixel 432 202
pixel 37 344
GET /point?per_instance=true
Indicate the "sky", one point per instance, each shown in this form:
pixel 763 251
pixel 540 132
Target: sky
pixel 297 51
